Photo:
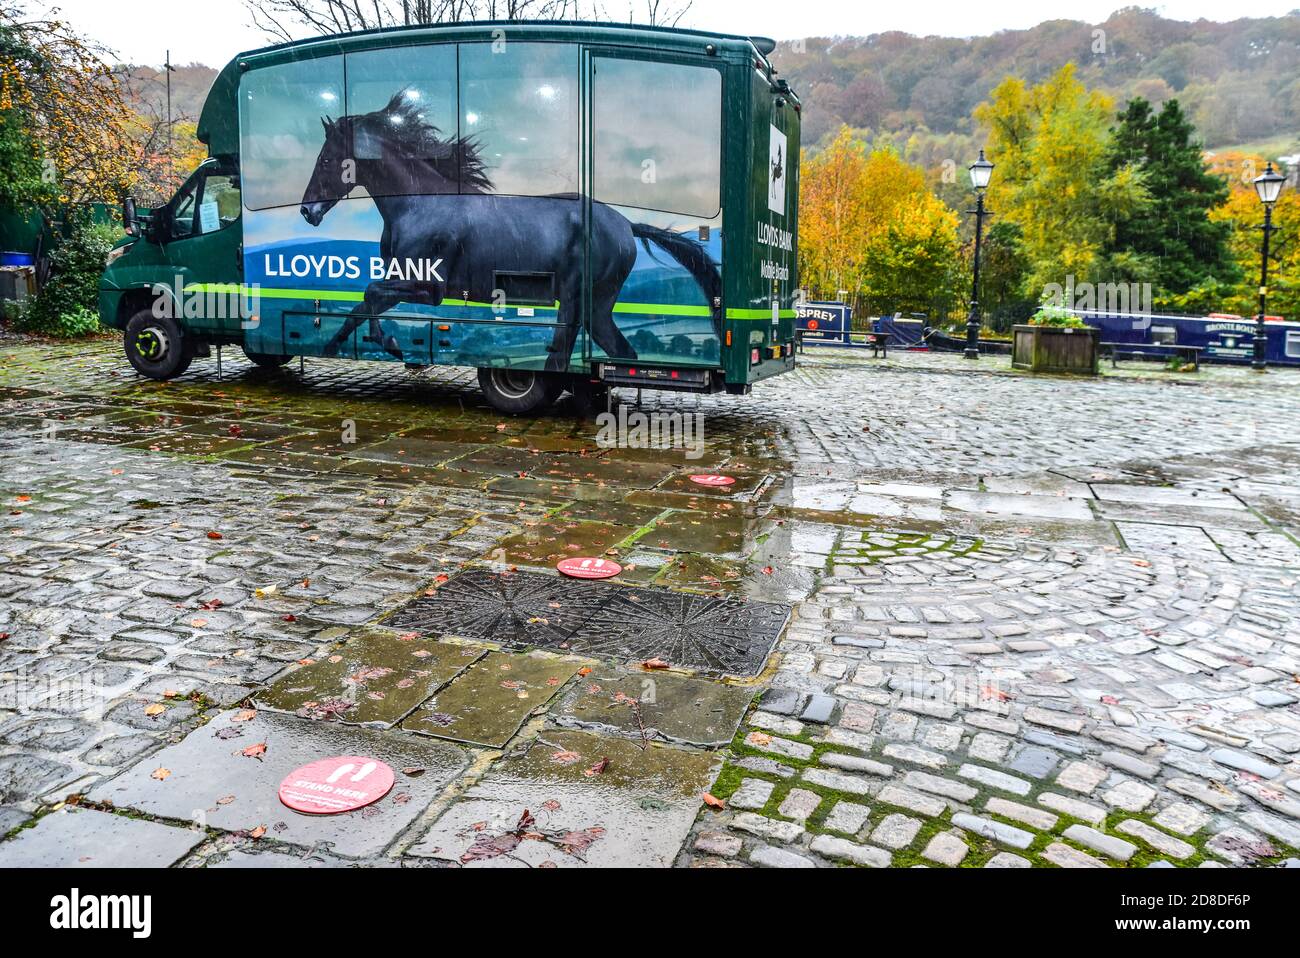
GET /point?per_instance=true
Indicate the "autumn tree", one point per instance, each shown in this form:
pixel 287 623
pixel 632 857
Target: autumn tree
pixel 1054 181
pixel 869 225
pixel 57 91
pixel 1242 214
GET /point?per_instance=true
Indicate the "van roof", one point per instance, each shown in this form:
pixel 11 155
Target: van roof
pixel 218 124
pixel 670 36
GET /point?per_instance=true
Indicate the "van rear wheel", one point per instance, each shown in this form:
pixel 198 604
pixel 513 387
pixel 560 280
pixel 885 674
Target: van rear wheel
pixel 266 360
pixel 519 391
pixel 157 346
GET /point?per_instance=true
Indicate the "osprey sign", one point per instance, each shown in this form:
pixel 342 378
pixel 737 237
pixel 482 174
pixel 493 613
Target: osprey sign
pixel 776 166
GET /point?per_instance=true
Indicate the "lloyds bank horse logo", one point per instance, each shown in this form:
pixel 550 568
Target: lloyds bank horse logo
pixel 435 197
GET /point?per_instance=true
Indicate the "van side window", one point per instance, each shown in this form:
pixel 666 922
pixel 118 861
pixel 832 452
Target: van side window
pixel 409 93
pixel 519 105
pixel 282 113
pixel 658 136
pixel 1293 344
pixel 209 202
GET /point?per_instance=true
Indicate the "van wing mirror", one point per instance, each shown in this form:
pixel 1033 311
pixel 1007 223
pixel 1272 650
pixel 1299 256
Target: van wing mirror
pixel 129 220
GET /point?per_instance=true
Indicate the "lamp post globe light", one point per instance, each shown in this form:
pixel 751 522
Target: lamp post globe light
pixel 981 171
pixel 1269 186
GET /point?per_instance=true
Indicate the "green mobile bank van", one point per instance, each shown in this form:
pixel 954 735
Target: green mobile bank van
pixel 563 206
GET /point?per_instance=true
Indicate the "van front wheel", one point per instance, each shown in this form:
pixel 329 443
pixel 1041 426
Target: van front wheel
pixel 519 391
pixel 157 346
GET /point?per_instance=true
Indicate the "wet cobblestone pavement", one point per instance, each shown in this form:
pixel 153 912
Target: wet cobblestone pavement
pixel 1032 621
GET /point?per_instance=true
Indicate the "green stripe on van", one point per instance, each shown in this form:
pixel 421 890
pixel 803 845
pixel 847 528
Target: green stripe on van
pixel 758 314
pixel 352 296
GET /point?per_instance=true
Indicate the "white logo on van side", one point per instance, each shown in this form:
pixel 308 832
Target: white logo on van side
pixel 777 160
pixel 74 911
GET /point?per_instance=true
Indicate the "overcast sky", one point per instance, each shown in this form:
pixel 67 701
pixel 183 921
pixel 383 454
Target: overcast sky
pixel 213 31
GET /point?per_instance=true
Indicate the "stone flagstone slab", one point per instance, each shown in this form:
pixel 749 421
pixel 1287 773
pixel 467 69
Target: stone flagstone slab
pixel 84 838
pixel 671 707
pixel 489 702
pixel 376 679
pixel 210 778
pixel 643 802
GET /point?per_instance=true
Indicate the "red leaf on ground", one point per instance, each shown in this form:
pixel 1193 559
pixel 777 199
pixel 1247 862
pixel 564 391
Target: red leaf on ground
pixel 598 768
pixel 714 802
pixel 490 846
pixel 255 751
pixel 654 664
pixel 215 535
pixel 577 842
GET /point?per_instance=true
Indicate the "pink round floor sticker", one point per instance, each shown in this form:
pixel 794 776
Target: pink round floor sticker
pixel 710 480
pixel 585 567
pixel 340 784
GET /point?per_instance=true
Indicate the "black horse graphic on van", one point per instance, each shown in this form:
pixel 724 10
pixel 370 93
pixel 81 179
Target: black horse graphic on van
pixel 435 198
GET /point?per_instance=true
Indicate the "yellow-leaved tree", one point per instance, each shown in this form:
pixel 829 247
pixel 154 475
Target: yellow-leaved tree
pixel 70 104
pixel 869 225
pixel 1246 214
pixel 1050 144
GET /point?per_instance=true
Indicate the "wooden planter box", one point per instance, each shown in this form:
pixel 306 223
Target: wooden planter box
pixel 1055 349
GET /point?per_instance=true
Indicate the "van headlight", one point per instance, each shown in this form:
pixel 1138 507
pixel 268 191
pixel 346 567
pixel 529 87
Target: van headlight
pixel 117 253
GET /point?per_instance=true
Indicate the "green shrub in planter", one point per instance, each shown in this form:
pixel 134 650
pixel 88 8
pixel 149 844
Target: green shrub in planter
pixel 1056 316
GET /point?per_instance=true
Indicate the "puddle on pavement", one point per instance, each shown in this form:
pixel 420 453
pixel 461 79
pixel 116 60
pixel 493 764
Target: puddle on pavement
pixel 188 444
pixel 701 573
pixel 678 457
pixel 623 475
pixel 488 703
pixel 482 434
pixel 709 505
pixel 697 532
pixel 546 542
pixel 410 451
pixel 326 442
pixel 596 800
pixel 374 679
pixel 401 472
pixel 647 706
pixel 600 509
pixel 245 431
pixel 268 457
pixel 743 487
pixel 209 775
pixel 500 461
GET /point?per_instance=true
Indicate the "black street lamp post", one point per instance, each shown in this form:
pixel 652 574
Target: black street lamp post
pixel 1268 185
pixel 981 171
